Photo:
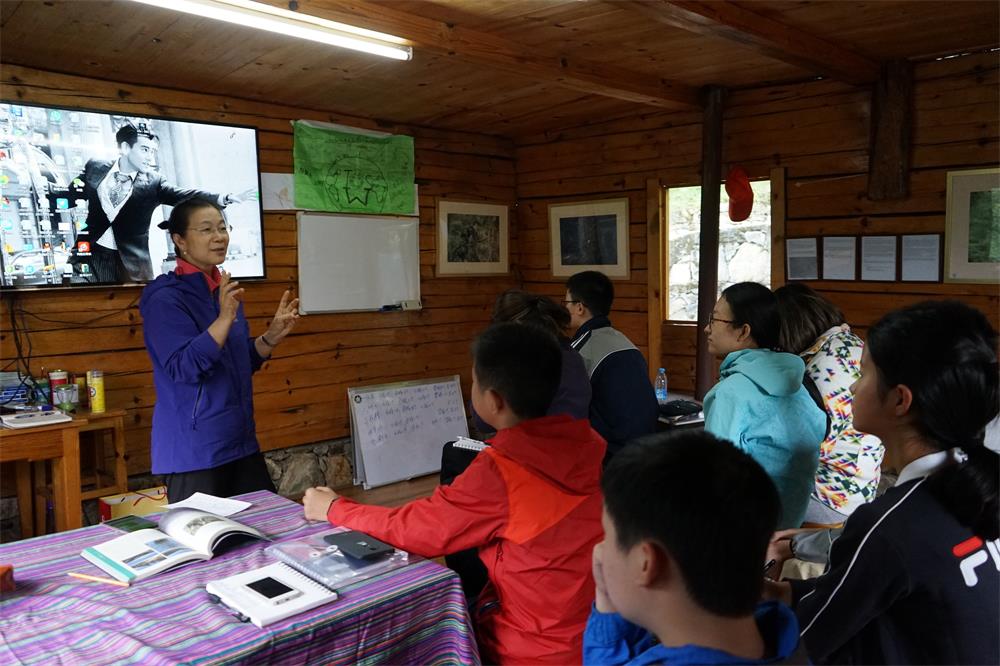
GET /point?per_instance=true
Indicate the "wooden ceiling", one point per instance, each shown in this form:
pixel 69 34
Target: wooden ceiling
pixel 505 67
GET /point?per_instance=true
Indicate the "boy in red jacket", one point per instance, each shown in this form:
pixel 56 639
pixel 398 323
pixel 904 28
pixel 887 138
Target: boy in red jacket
pixel 530 503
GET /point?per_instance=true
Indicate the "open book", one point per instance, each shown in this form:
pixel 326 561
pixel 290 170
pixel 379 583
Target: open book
pixel 184 535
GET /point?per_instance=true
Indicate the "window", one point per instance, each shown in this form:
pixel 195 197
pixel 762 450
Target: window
pixel 744 247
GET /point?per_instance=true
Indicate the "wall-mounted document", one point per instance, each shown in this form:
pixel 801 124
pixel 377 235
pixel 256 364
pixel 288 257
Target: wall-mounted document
pixel 878 258
pixel 801 259
pixel 840 257
pixel 921 258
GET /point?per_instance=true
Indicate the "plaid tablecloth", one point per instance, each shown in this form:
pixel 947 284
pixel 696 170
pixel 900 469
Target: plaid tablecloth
pixel 415 615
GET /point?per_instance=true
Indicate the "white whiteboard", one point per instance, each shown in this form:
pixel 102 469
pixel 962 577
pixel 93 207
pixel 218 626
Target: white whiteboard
pixel 399 429
pixel 357 262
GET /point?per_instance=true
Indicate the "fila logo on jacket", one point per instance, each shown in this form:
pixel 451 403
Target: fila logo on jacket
pixel 972 554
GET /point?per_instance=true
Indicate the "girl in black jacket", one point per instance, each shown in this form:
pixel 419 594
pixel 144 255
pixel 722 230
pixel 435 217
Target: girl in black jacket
pixel 915 578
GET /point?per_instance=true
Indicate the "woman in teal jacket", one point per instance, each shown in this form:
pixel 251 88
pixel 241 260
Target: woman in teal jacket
pixel 760 403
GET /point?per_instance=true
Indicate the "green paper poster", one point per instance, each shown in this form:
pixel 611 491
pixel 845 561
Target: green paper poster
pixel 343 172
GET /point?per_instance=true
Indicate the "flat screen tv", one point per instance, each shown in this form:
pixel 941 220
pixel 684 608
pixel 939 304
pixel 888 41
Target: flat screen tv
pixel 82 192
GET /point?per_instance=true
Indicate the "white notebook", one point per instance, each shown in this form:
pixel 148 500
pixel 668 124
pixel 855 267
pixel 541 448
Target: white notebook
pixel 270 594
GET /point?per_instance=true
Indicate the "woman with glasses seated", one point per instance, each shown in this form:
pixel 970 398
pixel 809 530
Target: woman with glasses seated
pixel 203 356
pixel 760 403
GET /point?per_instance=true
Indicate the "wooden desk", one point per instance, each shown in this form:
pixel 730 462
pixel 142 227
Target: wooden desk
pixel 59 443
pixel 113 420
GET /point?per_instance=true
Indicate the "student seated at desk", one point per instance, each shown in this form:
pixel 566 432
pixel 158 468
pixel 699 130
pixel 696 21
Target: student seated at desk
pixel 623 405
pixel 915 577
pixel 530 503
pixel 760 404
pixel 687 519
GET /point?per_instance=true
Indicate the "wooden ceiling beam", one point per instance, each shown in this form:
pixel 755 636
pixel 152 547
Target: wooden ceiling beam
pixel 724 19
pixel 486 49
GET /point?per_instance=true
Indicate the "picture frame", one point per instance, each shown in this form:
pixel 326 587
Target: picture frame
pixel 972 227
pixel 590 236
pixel 473 238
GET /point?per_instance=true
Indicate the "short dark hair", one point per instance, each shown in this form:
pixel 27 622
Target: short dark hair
pixel 715 524
pixel 753 304
pixel 945 353
pixel 534 310
pixel 131 131
pixel 711 506
pixel 805 315
pixel 594 289
pixel 521 363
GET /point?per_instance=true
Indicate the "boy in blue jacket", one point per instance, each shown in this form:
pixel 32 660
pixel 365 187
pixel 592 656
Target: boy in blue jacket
pixel 687 519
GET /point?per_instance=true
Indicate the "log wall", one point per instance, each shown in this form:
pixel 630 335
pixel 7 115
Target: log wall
pixel 300 394
pixel 818 132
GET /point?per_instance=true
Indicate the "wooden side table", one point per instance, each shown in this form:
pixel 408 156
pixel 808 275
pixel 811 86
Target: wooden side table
pixel 113 420
pixel 59 443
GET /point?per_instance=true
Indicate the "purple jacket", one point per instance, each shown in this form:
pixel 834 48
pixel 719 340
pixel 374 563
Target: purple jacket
pixel 203 417
pixel 572 396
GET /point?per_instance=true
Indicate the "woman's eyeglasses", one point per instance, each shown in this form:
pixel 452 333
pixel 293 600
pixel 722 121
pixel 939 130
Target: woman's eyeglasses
pixel 712 319
pixel 224 231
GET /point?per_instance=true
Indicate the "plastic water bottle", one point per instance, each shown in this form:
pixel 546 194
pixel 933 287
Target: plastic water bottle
pixel 661 386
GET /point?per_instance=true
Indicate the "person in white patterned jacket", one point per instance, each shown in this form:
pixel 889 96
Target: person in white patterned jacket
pixel 850 461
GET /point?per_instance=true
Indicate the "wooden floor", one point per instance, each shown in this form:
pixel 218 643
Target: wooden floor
pixel 394 494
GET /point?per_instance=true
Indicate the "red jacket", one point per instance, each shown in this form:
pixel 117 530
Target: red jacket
pixel 531 503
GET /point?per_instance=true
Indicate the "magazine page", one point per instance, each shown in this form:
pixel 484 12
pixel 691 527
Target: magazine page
pixel 141 554
pixel 201 530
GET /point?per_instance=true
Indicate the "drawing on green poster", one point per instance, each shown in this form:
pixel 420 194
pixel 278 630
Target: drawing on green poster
pixel 984 226
pixel 344 172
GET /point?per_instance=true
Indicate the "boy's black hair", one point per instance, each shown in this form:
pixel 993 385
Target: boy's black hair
pixel 945 353
pixel 708 504
pixel 521 363
pixel 131 131
pixel 754 304
pixel 594 289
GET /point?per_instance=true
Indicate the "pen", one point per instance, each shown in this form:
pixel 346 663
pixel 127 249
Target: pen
pixel 98 579
pixel 770 563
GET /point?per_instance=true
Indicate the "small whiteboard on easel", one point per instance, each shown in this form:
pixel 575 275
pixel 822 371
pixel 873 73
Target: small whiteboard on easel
pixel 398 429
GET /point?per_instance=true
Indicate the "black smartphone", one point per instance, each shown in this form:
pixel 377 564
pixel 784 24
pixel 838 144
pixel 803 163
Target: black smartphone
pixel 359 545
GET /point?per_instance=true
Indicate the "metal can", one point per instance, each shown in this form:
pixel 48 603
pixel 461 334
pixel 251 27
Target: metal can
pixel 95 389
pixel 57 378
pixel 81 388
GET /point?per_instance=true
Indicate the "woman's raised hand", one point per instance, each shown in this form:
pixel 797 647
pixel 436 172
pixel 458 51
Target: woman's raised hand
pixel 230 295
pixel 284 319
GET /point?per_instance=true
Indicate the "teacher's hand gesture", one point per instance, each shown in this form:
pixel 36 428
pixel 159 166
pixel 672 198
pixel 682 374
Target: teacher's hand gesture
pixel 230 295
pixel 284 319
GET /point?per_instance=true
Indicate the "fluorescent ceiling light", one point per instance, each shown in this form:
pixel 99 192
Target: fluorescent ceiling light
pixel 285 22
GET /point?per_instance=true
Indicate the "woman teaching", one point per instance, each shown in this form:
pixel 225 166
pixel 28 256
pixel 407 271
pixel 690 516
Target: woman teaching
pixel 198 339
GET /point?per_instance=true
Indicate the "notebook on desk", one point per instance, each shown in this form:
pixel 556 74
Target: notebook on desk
pixel 33 419
pixel 269 594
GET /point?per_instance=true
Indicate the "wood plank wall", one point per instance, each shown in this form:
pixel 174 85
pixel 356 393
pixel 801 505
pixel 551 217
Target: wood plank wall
pixel 300 395
pixel 817 131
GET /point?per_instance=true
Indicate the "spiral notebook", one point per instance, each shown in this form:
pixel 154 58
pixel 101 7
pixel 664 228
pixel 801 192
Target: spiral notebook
pixel 269 594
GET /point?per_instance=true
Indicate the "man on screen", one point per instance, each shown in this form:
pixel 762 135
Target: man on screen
pixel 121 196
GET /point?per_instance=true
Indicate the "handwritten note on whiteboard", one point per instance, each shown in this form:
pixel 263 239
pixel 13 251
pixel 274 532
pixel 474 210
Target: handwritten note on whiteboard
pixel 399 429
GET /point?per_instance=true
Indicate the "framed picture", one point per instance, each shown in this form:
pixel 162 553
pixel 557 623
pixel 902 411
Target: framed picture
pixel 972 227
pixel 590 236
pixel 472 238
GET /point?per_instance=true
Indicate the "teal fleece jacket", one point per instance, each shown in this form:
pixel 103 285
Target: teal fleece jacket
pixel 761 406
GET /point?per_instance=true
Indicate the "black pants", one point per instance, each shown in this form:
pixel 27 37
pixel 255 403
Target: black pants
pixel 465 563
pixel 105 265
pixel 234 478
